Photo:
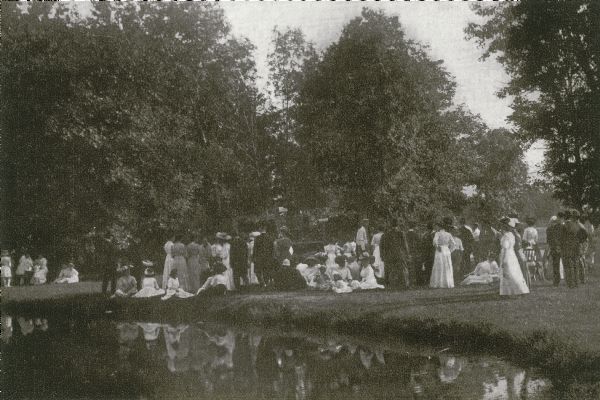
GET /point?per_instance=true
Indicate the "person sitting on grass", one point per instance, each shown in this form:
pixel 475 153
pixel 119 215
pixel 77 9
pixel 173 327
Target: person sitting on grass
pixel 485 272
pixel 173 288
pixel 342 269
pixel 354 268
pixel 339 285
pixel 126 284
pixel 288 278
pixel 40 271
pixel 217 282
pixel 367 274
pixel 150 286
pixel 309 270
pixel 67 274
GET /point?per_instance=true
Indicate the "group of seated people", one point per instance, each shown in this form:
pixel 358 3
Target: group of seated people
pixel 127 285
pixel 343 276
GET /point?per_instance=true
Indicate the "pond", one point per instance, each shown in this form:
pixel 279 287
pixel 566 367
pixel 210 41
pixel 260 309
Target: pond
pixel 63 358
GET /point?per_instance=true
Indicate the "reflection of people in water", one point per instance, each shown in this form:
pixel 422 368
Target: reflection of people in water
pixel 151 332
pixel 449 369
pixel 177 340
pixel 7 328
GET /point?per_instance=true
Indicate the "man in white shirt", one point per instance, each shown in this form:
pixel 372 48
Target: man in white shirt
pixel 362 239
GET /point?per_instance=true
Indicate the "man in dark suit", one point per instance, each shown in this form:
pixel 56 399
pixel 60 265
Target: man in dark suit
pixel 428 253
pixel 466 236
pixel 264 255
pixel 394 255
pixel 574 235
pixel 415 258
pixel 553 238
pixel 238 255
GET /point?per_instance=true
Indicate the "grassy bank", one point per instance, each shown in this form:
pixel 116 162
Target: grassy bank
pixel 556 329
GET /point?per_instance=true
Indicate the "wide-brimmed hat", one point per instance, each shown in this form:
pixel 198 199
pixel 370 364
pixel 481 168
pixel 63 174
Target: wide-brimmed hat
pixel 254 234
pixel 147 263
pixel 553 218
pixel 286 263
pixel 507 222
pixel 222 236
pixel 149 272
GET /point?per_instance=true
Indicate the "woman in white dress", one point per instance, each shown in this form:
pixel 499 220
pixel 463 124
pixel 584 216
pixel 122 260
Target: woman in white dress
pixel 441 274
pixel 512 281
pixel 150 287
pixel 180 263
pixel 378 265
pixel 331 250
pixel 368 280
pixel 222 249
pixel 168 262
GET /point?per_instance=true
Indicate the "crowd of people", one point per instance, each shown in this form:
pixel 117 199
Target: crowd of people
pixel 443 255
pixel 32 272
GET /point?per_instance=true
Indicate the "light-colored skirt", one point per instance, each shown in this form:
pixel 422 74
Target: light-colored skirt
pixel 441 274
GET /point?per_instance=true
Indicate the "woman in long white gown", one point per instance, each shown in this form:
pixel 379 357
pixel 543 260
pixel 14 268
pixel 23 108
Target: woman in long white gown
pixel 168 262
pixel 441 274
pixel 221 249
pixel 378 265
pixel 512 281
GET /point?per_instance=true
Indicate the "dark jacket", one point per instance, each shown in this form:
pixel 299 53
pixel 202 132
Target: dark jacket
pixel 554 235
pixel 288 278
pixel 466 236
pixel 281 249
pixel 263 248
pixel 573 236
pixel 238 254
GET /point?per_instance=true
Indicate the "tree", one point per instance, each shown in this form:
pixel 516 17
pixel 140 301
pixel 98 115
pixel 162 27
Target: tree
pixel 295 179
pixel 126 123
pixel 551 52
pixel 374 117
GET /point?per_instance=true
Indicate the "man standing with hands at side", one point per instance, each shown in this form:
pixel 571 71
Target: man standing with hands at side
pixel 362 238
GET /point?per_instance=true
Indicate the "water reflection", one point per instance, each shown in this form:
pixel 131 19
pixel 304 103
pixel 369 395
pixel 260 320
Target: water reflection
pixel 106 359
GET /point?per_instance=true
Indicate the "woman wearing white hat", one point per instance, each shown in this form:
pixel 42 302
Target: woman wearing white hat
pixel 150 286
pixel 512 281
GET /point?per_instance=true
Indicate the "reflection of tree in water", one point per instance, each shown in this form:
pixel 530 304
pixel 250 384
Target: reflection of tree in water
pixel 156 361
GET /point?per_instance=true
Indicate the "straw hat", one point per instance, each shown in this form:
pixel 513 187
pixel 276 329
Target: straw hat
pixel 286 263
pixel 147 263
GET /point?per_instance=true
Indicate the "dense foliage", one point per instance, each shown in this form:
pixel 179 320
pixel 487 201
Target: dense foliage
pixel 551 51
pixel 125 124
pixel 376 115
pixel 130 121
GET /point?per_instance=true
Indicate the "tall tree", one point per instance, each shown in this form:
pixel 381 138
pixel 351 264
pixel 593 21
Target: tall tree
pixel 126 122
pixel 374 117
pixel 551 51
pixel 295 179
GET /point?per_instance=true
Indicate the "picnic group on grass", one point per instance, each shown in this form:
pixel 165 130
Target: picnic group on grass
pixel 505 252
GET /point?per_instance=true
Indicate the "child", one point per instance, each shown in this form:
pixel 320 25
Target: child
pixel 368 280
pixel 150 286
pixel 40 271
pixel 218 280
pixel 173 288
pixel 339 285
pixel 6 271
pixel 126 284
